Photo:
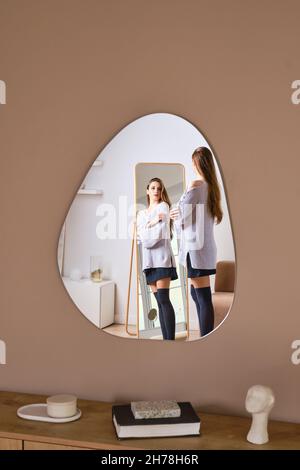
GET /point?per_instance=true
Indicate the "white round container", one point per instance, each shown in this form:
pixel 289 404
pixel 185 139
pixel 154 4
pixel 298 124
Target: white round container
pixel 61 406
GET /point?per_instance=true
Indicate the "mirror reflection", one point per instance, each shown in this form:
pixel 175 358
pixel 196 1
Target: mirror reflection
pixel 146 250
pixel 161 280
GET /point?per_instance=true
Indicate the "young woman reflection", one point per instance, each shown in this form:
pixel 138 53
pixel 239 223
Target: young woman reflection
pixel 154 231
pixel 199 255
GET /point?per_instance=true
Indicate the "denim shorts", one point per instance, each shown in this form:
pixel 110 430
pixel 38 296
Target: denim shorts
pixel 194 272
pixel 154 274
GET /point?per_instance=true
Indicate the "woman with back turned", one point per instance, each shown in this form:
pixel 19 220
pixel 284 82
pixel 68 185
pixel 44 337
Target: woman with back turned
pixel 198 209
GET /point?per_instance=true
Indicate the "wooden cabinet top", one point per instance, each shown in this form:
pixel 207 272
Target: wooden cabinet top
pixel 95 429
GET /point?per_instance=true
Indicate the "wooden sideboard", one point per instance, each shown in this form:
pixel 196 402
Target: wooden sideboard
pixel 94 430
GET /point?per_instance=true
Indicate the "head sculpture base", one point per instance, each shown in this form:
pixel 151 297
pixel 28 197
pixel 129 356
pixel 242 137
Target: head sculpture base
pixel 259 402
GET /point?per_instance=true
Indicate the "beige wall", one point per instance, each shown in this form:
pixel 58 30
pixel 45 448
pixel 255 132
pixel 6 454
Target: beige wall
pixel 78 71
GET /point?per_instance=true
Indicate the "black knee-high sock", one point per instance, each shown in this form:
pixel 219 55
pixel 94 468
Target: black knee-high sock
pixel 206 316
pixel 167 311
pixel 161 318
pixel 194 297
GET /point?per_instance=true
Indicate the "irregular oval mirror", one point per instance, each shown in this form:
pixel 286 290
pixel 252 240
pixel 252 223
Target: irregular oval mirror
pixel 146 250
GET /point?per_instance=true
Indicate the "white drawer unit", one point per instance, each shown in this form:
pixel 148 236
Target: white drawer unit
pixel 94 299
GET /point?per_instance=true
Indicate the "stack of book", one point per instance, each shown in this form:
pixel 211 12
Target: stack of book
pixel 155 419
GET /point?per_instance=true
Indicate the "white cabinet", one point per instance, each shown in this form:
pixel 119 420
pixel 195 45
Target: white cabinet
pixel 94 299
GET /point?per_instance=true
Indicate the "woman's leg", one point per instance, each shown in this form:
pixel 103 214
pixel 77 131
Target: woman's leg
pixel 205 308
pixel 194 297
pixel 163 289
pixel 160 312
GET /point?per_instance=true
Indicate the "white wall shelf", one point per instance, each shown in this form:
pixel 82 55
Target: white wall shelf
pixel 98 192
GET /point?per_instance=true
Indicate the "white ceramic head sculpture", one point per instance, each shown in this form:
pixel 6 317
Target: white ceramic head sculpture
pixel 259 401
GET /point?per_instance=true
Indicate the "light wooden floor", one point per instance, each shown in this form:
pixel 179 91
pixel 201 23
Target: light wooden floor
pixel 119 330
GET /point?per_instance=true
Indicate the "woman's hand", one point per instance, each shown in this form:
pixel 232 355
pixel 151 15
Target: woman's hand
pixel 174 213
pixel 156 219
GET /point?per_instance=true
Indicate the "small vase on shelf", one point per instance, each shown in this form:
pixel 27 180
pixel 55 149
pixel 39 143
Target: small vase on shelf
pixel 95 269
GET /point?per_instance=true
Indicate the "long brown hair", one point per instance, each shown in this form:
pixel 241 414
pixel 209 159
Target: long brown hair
pixel 204 162
pixel 163 197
